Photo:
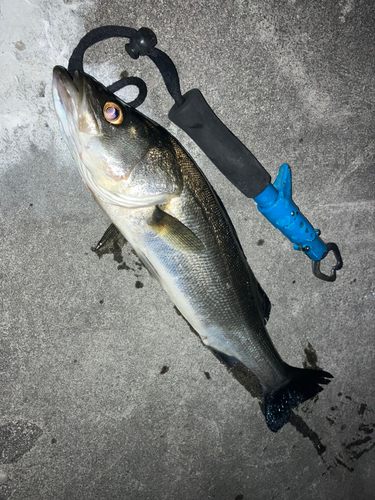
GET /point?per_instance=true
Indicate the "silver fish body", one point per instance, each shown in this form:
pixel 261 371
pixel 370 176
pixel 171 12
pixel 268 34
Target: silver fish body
pixel 163 205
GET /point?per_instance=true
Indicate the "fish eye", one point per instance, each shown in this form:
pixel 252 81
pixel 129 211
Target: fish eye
pixel 113 113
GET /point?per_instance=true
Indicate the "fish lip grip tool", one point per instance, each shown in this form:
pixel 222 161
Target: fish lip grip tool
pixel 276 204
pixel 192 113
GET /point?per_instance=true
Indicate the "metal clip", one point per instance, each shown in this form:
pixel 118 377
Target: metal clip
pixel 316 264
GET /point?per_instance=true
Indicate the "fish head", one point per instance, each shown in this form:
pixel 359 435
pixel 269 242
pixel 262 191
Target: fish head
pixel 120 154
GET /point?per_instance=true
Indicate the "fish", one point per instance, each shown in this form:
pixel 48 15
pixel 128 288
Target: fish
pixel 163 205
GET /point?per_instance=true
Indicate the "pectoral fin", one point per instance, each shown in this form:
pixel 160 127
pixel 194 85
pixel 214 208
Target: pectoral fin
pixel 112 241
pixel 174 232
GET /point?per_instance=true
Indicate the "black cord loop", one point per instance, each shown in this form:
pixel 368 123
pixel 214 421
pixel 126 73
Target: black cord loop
pixel 142 42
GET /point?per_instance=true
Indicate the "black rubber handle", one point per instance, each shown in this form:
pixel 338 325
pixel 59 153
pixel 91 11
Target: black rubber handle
pixel 195 117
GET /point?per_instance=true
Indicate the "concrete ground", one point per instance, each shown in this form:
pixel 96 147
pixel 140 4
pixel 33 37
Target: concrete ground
pixel 105 392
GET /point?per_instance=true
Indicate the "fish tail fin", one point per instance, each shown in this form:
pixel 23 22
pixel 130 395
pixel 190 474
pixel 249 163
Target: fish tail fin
pixel 303 385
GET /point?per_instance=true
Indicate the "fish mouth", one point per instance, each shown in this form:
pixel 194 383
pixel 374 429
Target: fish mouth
pixel 72 100
pixel 75 113
pixel 66 88
pixel 66 93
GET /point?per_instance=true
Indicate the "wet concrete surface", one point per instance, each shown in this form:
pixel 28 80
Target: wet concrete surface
pixel 106 393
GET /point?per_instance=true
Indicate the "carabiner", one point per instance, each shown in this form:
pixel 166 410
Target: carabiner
pixel 316 264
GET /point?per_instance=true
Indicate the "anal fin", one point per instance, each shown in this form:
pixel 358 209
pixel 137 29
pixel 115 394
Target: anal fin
pixel 228 361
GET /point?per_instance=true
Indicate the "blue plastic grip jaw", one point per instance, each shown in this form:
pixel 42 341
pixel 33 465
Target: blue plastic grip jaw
pixel 276 204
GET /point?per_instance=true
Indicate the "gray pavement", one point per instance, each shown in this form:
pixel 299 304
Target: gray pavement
pixel 106 394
